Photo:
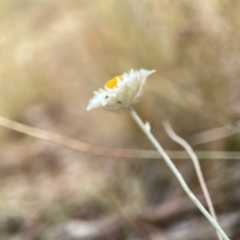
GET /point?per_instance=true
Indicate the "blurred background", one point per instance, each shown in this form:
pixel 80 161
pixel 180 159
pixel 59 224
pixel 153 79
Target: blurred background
pixel 54 54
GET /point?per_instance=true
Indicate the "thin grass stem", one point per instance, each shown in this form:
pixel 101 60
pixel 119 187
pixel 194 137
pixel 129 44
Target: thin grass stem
pixel 146 130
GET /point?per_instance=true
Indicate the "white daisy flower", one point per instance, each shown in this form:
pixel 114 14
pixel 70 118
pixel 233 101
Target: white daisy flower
pixel 120 92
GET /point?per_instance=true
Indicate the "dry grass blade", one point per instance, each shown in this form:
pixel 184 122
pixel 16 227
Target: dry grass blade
pixel 215 134
pixel 196 164
pixel 69 142
pixel 108 152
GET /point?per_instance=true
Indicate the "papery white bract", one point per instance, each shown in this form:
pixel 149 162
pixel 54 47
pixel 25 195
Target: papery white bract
pixel 120 92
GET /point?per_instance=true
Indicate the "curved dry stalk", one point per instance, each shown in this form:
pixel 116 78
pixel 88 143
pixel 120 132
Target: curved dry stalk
pixel 146 129
pixel 197 167
pixel 105 151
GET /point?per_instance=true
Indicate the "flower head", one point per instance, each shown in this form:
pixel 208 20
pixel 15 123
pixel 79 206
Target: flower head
pixel 120 92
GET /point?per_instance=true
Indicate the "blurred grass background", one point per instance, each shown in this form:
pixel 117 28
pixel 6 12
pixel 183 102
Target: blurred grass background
pixel 54 54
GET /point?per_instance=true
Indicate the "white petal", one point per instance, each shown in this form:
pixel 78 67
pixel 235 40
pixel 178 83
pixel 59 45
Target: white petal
pixel 127 92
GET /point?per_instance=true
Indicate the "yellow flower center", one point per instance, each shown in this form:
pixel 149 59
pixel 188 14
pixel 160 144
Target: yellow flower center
pixel 113 82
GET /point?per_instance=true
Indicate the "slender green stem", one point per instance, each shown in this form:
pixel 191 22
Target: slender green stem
pixel 178 175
